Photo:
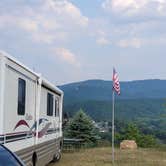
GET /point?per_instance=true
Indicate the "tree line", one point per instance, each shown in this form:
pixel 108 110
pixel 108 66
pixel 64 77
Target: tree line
pixel 81 126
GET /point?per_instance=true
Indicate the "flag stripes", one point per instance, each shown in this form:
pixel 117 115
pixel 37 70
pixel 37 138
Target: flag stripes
pixel 116 84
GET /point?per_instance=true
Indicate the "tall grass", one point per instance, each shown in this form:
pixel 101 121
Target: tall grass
pixel 102 157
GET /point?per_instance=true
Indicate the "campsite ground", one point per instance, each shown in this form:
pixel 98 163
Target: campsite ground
pixel 102 157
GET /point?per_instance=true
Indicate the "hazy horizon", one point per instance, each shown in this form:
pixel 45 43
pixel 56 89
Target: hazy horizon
pixel 122 81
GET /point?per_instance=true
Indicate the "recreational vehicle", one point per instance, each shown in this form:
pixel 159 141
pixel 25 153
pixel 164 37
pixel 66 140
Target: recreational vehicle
pixel 30 113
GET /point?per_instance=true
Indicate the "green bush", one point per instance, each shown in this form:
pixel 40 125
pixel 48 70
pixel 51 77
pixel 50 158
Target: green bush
pixel 131 132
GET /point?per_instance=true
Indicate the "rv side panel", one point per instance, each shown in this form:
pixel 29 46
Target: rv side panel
pixel 49 142
pixel 19 107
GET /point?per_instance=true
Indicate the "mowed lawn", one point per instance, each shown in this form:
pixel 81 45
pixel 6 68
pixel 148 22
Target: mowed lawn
pixel 102 157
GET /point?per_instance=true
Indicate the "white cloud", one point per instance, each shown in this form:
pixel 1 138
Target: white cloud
pixel 67 56
pixel 28 24
pixel 139 42
pixel 101 35
pixel 49 21
pixel 43 38
pixel 66 10
pixel 133 42
pixel 102 41
pixel 140 8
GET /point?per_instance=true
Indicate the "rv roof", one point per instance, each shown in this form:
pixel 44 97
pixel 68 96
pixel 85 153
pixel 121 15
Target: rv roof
pixel 51 86
pixel 44 81
pixel 4 54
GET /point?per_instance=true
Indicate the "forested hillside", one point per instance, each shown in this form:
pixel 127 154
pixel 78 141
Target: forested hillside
pixel 124 109
pixel 138 99
pixel 142 102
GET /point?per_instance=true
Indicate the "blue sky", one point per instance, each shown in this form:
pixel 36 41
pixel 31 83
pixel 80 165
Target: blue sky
pixel 75 40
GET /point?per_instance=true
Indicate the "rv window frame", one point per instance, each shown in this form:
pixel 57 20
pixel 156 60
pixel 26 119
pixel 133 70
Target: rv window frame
pixel 21 96
pixel 50 104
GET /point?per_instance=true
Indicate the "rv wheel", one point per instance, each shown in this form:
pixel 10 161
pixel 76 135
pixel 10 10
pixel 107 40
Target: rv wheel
pixel 57 156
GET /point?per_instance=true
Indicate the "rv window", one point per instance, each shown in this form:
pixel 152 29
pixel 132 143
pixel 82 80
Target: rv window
pixel 56 108
pixel 21 96
pixel 49 104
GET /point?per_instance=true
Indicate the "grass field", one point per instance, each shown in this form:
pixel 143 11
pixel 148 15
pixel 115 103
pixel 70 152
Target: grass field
pixel 102 157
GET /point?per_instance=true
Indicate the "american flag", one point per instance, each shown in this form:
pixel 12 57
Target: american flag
pixel 115 80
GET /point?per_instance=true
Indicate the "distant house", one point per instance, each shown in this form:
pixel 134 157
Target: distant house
pixel 102 126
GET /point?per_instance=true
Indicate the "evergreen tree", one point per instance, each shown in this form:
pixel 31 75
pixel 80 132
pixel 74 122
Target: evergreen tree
pixel 82 127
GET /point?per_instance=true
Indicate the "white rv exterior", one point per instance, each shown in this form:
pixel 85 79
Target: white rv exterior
pixel 30 113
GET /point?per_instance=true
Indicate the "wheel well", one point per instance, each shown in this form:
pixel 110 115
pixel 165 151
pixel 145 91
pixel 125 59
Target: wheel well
pixel 61 144
pixel 34 158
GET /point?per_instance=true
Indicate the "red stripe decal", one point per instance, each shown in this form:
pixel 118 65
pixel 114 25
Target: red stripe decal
pixel 21 123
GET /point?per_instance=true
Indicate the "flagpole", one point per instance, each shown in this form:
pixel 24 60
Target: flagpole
pixel 113 105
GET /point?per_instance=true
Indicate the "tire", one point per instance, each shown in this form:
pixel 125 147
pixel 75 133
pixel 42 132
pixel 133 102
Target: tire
pixel 57 156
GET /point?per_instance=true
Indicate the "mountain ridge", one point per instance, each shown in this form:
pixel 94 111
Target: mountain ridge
pixel 102 90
